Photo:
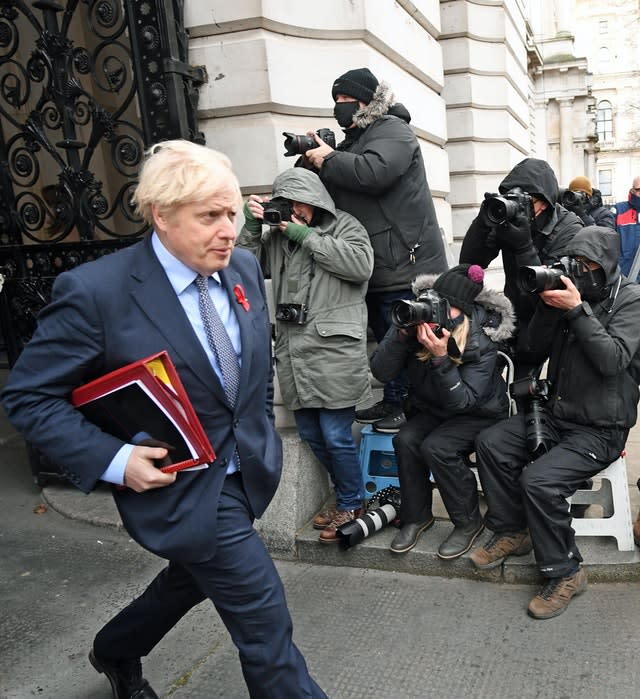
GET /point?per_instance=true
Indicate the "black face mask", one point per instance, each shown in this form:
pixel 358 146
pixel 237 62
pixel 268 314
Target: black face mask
pixel 344 111
pixel 593 285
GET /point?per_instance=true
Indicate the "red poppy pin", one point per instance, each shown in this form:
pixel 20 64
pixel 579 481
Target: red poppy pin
pixel 240 297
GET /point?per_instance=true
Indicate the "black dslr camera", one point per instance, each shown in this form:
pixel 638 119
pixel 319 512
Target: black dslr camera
pixel 535 393
pixel 575 200
pixel 429 307
pixel 533 280
pixel 298 145
pixel 500 209
pixel 276 211
pixel 292 313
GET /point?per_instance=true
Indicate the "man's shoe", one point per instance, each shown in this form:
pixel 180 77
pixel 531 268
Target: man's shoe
pixel 555 595
pixel 390 424
pixel 460 540
pixel 499 546
pixel 329 535
pixel 377 412
pixel 323 519
pixel 407 537
pixel 125 676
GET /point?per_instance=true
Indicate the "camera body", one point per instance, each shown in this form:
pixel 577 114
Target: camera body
pixel 429 307
pixel 535 392
pixel 276 211
pixel 575 200
pixel 292 313
pixel 500 209
pixel 534 279
pixel 300 144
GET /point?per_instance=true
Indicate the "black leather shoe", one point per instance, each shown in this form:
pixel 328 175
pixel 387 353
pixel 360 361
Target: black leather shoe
pixel 407 537
pixel 460 540
pixel 125 676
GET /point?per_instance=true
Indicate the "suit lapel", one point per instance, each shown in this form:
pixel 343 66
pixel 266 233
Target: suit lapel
pixel 153 293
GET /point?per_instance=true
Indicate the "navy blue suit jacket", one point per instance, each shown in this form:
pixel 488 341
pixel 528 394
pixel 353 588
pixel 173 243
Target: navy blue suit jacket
pixel 121 308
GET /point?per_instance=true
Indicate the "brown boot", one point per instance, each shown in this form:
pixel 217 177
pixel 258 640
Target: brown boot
pixel 323 519
pixel 329 535
pixel 499 546
pixel 555 595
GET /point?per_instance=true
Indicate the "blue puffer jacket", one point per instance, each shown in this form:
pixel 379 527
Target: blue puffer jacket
pixel 628 228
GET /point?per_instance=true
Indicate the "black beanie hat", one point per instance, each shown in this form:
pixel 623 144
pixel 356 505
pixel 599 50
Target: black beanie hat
pixel 460 285
pixel 360 83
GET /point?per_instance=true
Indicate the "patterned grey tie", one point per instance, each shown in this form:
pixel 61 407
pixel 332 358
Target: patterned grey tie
pixel 219 341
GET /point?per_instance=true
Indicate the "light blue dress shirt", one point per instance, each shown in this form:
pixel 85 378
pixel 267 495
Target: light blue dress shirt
pixel 181 279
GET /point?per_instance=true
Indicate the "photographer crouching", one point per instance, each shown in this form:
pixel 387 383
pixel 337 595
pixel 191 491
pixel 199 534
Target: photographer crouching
pixel 586 322
pixel 447 340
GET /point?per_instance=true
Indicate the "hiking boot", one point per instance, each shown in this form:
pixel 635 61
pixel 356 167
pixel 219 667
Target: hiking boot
pixel 407 537
pixel 499 546
pixel 377 412
pixel 460 540
pixel 390 424
pixel 555 595
pixel 323 519
pixel 329 535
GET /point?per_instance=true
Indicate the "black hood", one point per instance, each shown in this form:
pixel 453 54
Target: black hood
pixel 533 176
pixel 598 244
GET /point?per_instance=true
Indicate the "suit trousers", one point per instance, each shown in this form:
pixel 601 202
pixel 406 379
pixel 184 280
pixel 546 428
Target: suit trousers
pixel 243 584
pixel 427 443
pixel 522 493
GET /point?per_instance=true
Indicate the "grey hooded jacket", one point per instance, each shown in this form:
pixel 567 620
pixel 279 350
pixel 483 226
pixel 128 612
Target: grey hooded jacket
pixel 377 174
pixel 322 363
pixel 446 389
pixel 594 362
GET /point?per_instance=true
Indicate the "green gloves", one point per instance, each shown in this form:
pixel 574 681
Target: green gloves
pixel 251 223
pixel 296 231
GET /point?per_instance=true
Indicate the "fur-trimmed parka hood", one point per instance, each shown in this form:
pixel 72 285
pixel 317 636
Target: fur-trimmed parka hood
pixel 382 104
pixel 499 322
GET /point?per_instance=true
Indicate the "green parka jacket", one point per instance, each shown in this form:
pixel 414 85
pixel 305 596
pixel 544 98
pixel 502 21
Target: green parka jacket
pixel 323 362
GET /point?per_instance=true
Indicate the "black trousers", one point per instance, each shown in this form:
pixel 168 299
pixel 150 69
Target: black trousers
pixel 523 494
pixel 428 444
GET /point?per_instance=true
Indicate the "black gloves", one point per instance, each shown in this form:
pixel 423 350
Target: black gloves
pixel 515 233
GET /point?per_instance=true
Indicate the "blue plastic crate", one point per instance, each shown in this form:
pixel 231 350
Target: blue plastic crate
pixel 377 460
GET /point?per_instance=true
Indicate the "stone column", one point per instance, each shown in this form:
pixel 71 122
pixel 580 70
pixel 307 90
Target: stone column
pixel 566 141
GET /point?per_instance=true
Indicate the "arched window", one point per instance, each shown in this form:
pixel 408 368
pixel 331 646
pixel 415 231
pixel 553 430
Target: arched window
pixel 604 121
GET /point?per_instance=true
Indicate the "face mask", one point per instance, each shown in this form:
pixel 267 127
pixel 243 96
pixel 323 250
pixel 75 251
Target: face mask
pixel 344 111
pixel 593 285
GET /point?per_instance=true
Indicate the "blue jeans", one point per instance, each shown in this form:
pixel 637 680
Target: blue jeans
pixel 328 433
pixel 379 305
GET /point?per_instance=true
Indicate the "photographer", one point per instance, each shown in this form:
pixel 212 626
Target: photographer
pixel 377 174
pixel 537 232
pixel 586 202
pixel 320 260
pixel 589 331
pixel 455 390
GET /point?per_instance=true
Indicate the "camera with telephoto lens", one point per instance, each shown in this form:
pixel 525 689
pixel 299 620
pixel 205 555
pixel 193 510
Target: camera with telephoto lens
pixel 276 211
pixel 292 313
pixel 429 307
pixel 353 532
pixel 575 200
pixel 535 279
pixel 500 209
pixel 534 393
pixel 298 145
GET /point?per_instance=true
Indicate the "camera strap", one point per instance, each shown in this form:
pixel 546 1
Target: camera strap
pixel 312 274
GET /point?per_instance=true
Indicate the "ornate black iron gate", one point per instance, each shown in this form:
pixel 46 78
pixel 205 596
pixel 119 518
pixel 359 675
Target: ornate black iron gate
pixel 85 87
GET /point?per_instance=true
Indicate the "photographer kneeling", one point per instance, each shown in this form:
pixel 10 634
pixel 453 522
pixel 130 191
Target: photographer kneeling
pixel 448 341
pixel 589 331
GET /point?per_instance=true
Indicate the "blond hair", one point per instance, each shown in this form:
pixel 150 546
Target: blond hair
pixel 460 334
pixel 181 172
